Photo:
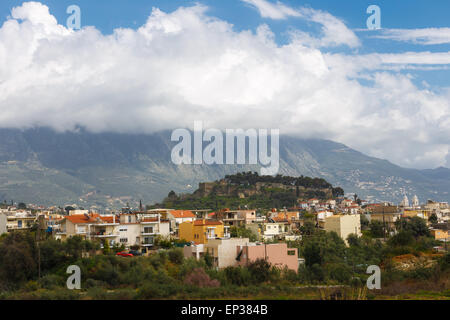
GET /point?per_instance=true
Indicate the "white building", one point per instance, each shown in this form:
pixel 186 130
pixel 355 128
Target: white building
pixel 141 230
pixel 3 221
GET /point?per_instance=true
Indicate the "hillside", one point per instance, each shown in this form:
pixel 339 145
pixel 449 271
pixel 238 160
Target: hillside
pixel 111 169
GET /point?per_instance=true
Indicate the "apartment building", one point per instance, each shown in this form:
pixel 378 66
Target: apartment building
pixel 223 251
pixel 140 229
pixel 344 225
pixel 3 222
pixel 201 231
pixel 91 227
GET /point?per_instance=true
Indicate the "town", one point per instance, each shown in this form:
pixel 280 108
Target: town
pixel 236 238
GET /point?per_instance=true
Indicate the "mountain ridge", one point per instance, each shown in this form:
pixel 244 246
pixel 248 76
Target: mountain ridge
pixel 110 169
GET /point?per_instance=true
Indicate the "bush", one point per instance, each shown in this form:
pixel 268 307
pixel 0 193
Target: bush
pixel 176 256
pixel 199 278
pixel 259 271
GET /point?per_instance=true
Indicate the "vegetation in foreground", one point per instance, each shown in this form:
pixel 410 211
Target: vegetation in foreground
pixel 332 270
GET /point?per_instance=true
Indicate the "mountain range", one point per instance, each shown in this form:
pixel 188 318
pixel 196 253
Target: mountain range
pixel 109 170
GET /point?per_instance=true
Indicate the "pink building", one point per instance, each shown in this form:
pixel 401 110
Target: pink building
pixel 277 254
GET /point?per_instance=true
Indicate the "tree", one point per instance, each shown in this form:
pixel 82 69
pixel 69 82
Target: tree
pixel 376 229
pixel 433 218
pixel 176 256
pixel 416 225
pixel 106 247
pixel 21 206
pixel 172 194
pixel 260 270
pixel 308 228
pixel 68 209
pixel 364 222
pixel 403 238
pixel 242 232
pixel 18 258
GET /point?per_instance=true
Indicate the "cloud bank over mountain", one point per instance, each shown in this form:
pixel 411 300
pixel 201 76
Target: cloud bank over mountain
pixel 187 65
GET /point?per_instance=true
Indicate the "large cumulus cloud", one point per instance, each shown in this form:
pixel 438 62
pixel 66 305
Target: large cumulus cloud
pixel 186 65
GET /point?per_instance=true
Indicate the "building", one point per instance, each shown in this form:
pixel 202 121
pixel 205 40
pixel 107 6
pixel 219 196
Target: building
pixel 232 218
pixel 440 234
pixel 405 202
pixel 249 216
pixel 200 231
pixel 20 220
pixel 3 222
pixel 140 229
pixel 90 227
pixel 223 251
pixel 277 254
pixel 276 229
pixel 176 217
pixel 387 215
pixel 344 225
pixel 415 201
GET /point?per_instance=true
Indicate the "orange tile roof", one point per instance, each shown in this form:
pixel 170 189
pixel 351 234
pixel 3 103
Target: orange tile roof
pixel 182 214
pixel 206 222
pixel 92 218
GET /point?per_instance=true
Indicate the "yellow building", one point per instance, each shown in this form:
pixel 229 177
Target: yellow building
pixel 200 231
pixel 424 214
pixel 440 234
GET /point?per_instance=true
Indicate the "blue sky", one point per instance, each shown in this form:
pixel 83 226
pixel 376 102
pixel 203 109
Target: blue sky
pixel 310 68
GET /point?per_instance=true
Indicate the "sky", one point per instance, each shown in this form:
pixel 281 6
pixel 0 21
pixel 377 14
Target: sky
pixel 312 69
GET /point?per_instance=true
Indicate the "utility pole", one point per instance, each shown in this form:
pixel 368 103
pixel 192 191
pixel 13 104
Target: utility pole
pixel 38 239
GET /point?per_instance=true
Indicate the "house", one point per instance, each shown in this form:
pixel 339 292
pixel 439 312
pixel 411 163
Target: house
pixel 276 229
pixel 90 227
pixel 424 214
pixel 3 221
pixel 223 251
pixel 232 217
pixel 20 220
pixel 277 254
pixel 200 231
pixel 388 215
pixel 440 234
pixel 344 225
pixel 249 216
pixel 176 217
pixel 141 229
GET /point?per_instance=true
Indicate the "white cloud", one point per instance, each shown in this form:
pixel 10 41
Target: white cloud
pixel 186 65
pixel 425 36
pixel 276 11
pixel 334 31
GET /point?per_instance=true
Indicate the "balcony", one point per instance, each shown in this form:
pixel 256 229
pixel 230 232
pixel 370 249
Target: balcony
pixel 148 233
pixel 104 235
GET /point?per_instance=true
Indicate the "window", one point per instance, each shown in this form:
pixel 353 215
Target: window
pixel 129 219
pixel 291 252
pixel 148 240
pixel 123 240
pixel 148 229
